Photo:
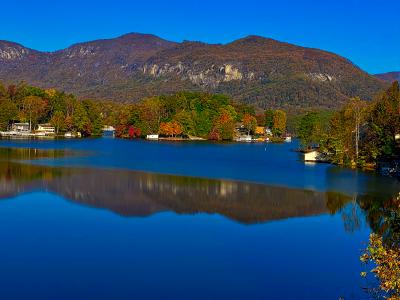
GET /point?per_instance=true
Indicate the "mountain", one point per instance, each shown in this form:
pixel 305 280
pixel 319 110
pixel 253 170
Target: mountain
pixel 254 70
pixel 389 77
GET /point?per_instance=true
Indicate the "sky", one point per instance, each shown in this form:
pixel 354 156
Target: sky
pixel 366 32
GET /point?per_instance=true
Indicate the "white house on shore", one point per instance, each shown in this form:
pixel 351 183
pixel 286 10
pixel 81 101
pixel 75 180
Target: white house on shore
pixel 20 127
pixel 45 129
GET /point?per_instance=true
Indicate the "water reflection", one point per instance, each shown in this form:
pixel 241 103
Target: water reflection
pixel 131 193
pixel 7 154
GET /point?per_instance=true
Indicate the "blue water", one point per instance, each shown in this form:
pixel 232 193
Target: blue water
pixel 275 164
pixel 89 226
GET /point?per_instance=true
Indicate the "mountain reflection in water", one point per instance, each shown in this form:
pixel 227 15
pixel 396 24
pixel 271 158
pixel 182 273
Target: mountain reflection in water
pixel 131 193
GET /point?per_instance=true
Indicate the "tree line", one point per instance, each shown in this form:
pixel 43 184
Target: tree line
pixel 183 114
pixel 208 116
pixel 23 103
pixel 359 134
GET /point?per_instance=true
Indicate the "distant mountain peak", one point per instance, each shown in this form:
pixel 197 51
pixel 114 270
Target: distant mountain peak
pixel 10 51
pixel 137 35
pixel 389 77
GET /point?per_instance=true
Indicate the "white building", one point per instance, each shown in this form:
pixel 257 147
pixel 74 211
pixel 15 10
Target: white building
pixel 312 155
pixel 20 127
pixel 244 138
pixel 152 136
pixel 45 129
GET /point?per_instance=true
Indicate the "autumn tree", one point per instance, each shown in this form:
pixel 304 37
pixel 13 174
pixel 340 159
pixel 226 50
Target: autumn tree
pixel 34 108
pixel 224 125
pixel 383 251
pixel 279 122
pixel 249 122
pixel 344 136
pixel 8 112
pixel 172 128
pixel 134 132
pixel 58 121
pixel 151 111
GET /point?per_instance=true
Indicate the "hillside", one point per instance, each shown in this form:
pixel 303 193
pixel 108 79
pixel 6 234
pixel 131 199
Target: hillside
pixel 389 77
pixel 254 70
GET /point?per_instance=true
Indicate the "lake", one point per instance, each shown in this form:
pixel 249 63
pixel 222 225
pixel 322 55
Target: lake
pixel 118 219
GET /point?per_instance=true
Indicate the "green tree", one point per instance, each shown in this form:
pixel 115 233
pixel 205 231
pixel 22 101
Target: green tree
pixel 269 118
pixel 384 123
pixel 309 130
pixel 185 118
pixel 80 119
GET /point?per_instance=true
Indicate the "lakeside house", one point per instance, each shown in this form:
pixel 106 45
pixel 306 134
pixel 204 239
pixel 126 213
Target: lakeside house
pixel 45 129
pixel 20 127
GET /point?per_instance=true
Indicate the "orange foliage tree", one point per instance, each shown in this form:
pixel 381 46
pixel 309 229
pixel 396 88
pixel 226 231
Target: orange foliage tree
pixel 172 128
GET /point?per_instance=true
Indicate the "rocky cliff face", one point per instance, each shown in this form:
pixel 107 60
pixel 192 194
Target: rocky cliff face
pixel 254 70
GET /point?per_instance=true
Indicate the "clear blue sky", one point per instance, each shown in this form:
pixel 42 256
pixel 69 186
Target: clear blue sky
pixel 367 32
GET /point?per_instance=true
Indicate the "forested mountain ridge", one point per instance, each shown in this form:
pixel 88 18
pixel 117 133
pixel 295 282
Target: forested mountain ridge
pixel 253 70
pixel 389 77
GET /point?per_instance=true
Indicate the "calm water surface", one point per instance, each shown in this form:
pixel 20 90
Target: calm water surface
pixel 117 219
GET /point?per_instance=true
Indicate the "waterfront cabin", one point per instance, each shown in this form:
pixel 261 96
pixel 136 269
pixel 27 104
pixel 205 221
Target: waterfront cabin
pixel 20 127
pixel 153 137
pixel 288 139
pixel 45 129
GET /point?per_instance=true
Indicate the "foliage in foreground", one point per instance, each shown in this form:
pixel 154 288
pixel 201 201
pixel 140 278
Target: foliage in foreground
pixel 383 251
pixel 387 270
